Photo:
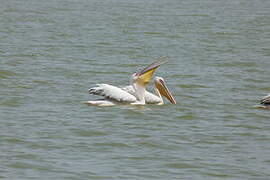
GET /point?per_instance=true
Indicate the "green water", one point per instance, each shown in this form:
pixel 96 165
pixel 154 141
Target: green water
pixel 51 52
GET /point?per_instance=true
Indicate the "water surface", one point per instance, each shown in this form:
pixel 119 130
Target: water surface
pixel 51 52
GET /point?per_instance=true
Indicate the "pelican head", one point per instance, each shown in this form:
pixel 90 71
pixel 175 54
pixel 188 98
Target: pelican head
pixel 163 90
pixel 134 78
pixel 142 78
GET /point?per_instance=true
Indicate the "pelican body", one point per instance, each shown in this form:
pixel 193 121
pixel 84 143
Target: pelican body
pixel 136 93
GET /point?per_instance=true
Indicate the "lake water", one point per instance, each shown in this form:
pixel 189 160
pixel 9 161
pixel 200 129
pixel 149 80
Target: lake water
pixel 51 52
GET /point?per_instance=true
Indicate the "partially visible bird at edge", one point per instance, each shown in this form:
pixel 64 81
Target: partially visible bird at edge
pixel 264 102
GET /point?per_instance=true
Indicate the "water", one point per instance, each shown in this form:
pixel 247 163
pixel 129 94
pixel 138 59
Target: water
pixel 51 52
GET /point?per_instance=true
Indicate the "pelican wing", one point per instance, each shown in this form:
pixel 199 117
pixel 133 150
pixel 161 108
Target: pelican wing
pixel 150 98
pixel 112 92
pixel 266 100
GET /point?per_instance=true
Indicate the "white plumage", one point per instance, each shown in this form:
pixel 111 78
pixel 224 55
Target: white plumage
pixel 150 98
pixel 113 93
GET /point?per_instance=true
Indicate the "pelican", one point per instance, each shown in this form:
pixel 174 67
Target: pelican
pixel 265 102
pixel 134 94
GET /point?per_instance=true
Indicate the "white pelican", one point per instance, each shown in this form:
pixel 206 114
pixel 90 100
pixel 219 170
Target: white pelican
pixel 136 93
pixel 265 102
